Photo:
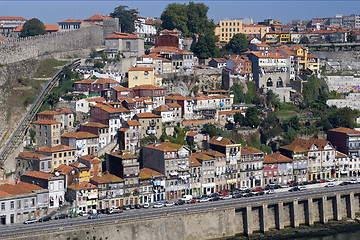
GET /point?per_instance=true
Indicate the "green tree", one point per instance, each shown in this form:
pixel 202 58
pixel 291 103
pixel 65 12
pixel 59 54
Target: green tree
pixel 127 18
pixel 238 43
pixel 272 99
pixel 104 56
pixel 149 140
pixel 239 118
pixel 211 130
pixel 239 95
pixel 158 27
pixel 93 53
pixel 33 27
pixel 252 117
pixel 175 17
pixel 304 40
pixel 270 128
pixel 351 37
pixel 343 117
pixel 205 46
pixel 98 65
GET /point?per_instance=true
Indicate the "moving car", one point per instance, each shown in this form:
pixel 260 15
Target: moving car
pixel 169 204
pixel 95 216
pixel 61 216
pixel 31 220
pixel 158 205
pixel 294 189
pixel 45 219
pixel 330 185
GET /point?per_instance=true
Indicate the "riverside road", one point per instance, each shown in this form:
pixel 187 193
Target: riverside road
pixel 134 214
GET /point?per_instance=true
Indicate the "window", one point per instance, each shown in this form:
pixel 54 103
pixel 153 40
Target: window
pixel 2 206
pixel 19 204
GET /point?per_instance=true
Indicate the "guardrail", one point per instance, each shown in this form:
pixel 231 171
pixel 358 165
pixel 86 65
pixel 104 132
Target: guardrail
pixel 18 135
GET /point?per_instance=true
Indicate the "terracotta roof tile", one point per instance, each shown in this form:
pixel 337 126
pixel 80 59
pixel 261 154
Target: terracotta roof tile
pixel 147 115
pixel 174 105
pixel 277 157
pixel 133 123
pixel 55 148
pixel 96 99
pixel 194 162
pixel 48 113
pixel 192 134
pixel 80 135
pixel 31 155
pixel 124 156
pixel 141 69
pixel 37 174
pixel 91 159
pixel 162 108
pixel 214 153
pixel 109 109
pixel 221 141
pixel 246 150
pixel 122 89
pixel 192 122
pixel 95 124
pixel 45 122
pixel 345 130
pixel 106 178
pixel 119 35
pixel 19 188
pixel 146 173
pixel 202 157
pixel 82 186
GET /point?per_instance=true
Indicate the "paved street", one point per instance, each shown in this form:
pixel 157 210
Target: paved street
pixel 134 214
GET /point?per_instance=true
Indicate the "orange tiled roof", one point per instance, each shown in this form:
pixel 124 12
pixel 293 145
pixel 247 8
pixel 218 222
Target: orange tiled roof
pixel 49 113
pixel 202 156
pixel 104 80
pixel 82 186
pixel 56 148
pixel 95 124
pixel 45 122
pixel 96 17
pixel 119 35
pixel 108 109
pixel 122 89
pixel 80 166
pixel 106 178
pixel 37 174
pixel 293 148
pixel 269 55
pixel 91 159
pixel 64 169
pixel 80 135
pixel 221 141
pixel 192 134
pixel 214 153
pixel 161 108
pixel 146 173
pixel 306 144
pixel 194 162
pixel 246 150
pixel 177 96
pixel 64 110
pixel 220 60
pixel 141 69
pixel 31 155
pixel 133 123
pixel 147 115
pixel 12 18
pixel 124 155
pixel 86 81
pixel 123 129
pixel 72 21
pixel 173 105
pixel 18 188
pixel 276 157
pixel 341 155
pixel 162 147
pixel 185 123
pixel 96 99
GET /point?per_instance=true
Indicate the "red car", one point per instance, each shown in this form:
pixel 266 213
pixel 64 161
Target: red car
pixel 223 193
pixel 258 189
pixel 192 201
pixel 292 181
pixel 322 181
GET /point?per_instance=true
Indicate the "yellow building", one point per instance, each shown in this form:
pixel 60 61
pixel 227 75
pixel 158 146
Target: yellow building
pixel 142 76
pixel 271 37
pixel 284 37
pixel 228 28
pixel 84 171
pixel 313 63
pixel 60 154
pixel 254 30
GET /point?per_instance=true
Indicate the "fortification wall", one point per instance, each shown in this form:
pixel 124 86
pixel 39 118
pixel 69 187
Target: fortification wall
pixel 33 47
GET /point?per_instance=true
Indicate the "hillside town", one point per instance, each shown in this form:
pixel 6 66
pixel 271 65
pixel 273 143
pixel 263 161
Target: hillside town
pixel 126 139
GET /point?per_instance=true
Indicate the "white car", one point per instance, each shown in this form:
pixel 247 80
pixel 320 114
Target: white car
pixel 330 185
pixel 169 204
pixel 244 188
pixel 83 214
pixel 302 188
pixel 271 191
pixel 204 199
pixel 31 220
pixel 331 180
pixel 226 197
pixel 146 205
pixel 285 186
pixel 158 205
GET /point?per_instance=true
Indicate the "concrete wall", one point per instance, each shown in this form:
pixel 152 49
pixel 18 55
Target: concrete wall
pixel 33 47
pixel 217 222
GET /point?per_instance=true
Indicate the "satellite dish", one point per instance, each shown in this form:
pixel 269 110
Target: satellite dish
pixel 57 174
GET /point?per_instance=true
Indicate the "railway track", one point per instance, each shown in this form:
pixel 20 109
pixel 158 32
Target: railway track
pixel 18 135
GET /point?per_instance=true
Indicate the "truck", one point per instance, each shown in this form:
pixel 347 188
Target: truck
pixel 186 198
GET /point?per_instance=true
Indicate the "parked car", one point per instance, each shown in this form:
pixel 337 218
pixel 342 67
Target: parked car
pixel 353 181
pixel 223 193
pixel 132 206
pixel 83 213
pixel 344 183
pixel 330 185
pixel 322 181
pixel 45 219
pixel 146 205
pixel 238 195
pixel 61 216
pixel 302 188
pixel 249 194
pixel 158 205
pixel 313 182
pixel 187 198
pixel 95 216
pixel 114 210
pixel 258 189
pixel 285 186
pixel 127 207
pixel 271 191
pixel 192 201
pixel 214 195
pixel 137 206
pixel 204 199
pixel 244 188
pixel 215 199
pixel 169 204
pixel 31 220
pixel 294 189
pixel 180 202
